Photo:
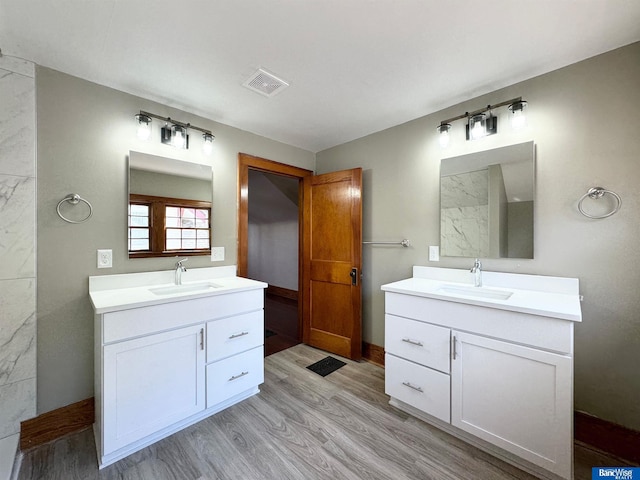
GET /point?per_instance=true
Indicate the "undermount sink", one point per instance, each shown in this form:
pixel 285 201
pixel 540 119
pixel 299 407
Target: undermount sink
pixel 187 288
pixel 481 292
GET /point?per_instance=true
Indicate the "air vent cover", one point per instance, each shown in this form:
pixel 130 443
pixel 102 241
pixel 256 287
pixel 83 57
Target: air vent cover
pixel 265 83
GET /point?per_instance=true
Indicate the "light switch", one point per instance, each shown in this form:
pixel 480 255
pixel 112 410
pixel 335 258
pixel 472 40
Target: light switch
pixel 217 254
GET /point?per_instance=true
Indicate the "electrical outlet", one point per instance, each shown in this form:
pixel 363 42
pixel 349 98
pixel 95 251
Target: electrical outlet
pixel 105 258
pixel 434 253
pixel 217 254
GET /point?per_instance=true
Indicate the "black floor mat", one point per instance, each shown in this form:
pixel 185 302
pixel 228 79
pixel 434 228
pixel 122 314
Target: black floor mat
pixel 326 366
pixel 269 333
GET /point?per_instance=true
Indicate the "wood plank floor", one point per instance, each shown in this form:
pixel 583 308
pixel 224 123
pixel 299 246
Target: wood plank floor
pixel 301 426
pixel 281 318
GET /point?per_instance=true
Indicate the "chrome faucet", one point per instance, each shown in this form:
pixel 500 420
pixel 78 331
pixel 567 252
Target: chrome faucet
pixel 477 271
pixel 179 269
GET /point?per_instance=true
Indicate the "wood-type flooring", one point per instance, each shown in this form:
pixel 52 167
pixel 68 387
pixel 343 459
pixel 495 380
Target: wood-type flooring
pixel 281 319
pixel 301 426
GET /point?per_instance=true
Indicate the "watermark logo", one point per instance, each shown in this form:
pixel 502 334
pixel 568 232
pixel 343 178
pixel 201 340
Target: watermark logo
pixel 615 473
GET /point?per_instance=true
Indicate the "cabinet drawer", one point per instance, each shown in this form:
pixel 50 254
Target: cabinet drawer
pixel 419 342
pixel 156 318
pixel 418 386
pixel 234 375
pixel 231 335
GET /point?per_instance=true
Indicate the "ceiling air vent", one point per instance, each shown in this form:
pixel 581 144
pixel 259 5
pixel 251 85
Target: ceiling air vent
pixel 265 83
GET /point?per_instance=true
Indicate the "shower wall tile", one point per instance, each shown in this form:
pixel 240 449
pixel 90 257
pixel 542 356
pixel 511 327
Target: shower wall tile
pixel 17 330
pixel 17 244
pixel 464 189
pixel 20 397
pixel 17 124
pixel 464 231
pixel 17 218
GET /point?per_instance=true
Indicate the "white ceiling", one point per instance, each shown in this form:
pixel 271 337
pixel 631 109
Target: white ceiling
pixel 355 66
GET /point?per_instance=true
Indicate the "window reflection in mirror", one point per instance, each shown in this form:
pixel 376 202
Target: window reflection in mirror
pixel 169 210
pixel 487 203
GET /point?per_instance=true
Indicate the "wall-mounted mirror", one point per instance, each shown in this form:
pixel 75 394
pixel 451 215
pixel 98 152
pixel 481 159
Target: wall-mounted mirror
pixel 169 211
pixel 487 203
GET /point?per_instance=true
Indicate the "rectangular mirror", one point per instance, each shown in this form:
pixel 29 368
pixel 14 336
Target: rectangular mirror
pixel 487 203
pixel 169 210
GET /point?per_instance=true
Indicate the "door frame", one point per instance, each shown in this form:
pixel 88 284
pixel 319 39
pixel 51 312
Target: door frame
pixel 248 162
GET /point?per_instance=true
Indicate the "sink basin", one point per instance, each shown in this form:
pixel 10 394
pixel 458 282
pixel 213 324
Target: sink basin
pixel 481 292
pixel 187 288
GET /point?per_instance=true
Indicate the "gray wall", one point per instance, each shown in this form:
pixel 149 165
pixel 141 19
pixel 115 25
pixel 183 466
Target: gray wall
pixel 273 233
pixel 585 127
pixel 157 184
pixel 85 132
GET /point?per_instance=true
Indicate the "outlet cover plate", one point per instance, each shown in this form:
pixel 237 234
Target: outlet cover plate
pixel 434 253
pixel 105 258
pixel 217 254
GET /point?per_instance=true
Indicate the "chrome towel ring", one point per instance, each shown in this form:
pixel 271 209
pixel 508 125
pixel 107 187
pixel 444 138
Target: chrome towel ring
pixel 74 199
pixel 597 193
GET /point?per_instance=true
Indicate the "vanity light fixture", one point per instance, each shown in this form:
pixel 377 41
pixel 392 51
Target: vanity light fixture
pixel 483 122
pixel 443 130
pixel 144 126
pixel 476 127
pixel 179 137
pixel 207 146
pixel 174 132
pixel 518 117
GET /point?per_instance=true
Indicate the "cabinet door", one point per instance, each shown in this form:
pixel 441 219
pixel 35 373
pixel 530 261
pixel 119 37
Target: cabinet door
pixel 150 383
pixel 515 397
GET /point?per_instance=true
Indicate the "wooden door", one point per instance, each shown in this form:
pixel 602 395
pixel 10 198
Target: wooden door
pixel 332 253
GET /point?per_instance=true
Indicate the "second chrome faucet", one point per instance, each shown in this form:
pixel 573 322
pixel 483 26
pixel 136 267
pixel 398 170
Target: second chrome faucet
pixel 477 271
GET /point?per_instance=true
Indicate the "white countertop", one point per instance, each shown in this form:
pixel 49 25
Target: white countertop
pixel 528 291
pixel 111 293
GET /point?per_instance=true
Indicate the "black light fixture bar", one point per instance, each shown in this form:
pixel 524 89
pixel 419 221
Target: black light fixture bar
pixel 482 110
pixel 176 122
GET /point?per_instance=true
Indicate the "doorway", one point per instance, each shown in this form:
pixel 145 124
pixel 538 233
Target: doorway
pixel 269 235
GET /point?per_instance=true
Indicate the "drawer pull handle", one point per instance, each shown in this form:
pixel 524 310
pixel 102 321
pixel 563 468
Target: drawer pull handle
pixel 417 389
pixel 236 335
pixel 202 339
pixel 235 377
pixel 413 342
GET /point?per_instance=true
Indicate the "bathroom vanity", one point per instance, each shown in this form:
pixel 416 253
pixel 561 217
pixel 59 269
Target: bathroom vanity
pixel 168 356
pixel 492 365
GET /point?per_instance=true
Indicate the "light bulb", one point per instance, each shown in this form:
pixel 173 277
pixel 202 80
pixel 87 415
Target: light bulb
pixel 178 136
pixel 144 126
pixel 477 128
pixel 443 138
pixel 207 146
pixel 518 117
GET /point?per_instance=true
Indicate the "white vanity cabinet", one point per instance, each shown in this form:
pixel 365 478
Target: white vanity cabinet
pixel 150 383
pixel 163 366
pixel 499 375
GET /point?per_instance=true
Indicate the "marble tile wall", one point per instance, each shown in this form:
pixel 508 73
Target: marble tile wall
pixel 464 216
pixel 17 244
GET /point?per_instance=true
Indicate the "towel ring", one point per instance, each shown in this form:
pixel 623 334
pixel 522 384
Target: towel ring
pixel 74 199
pixel 596 193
